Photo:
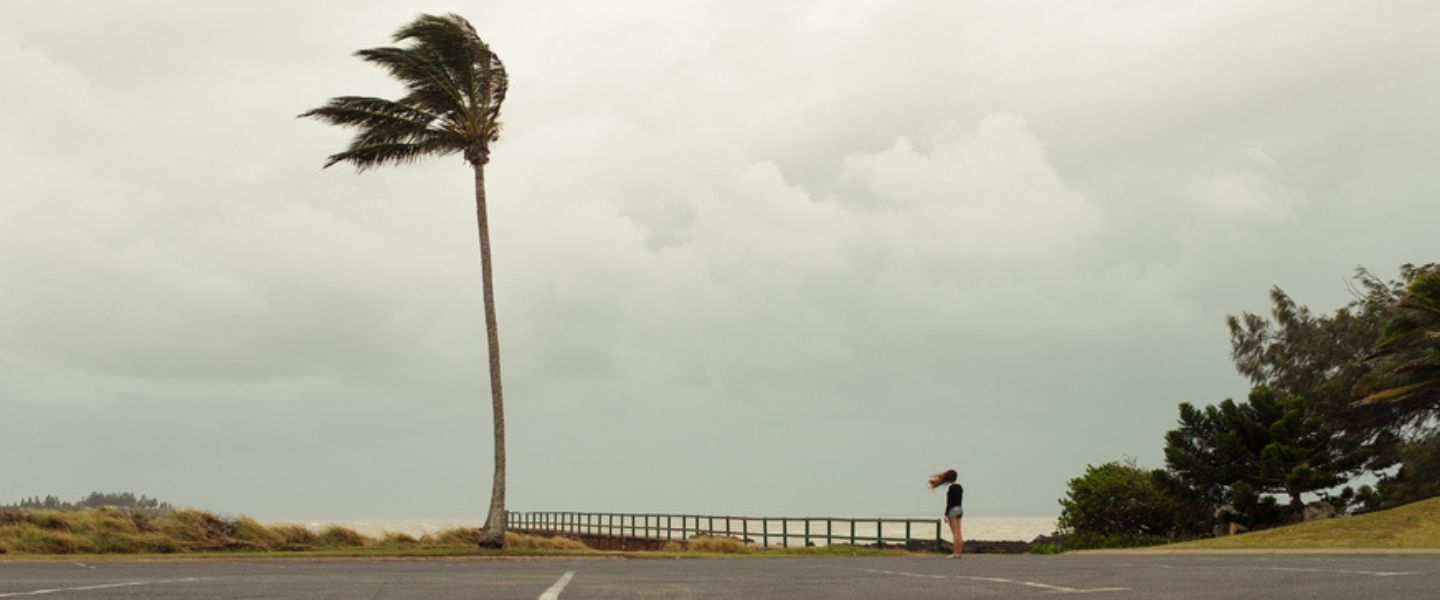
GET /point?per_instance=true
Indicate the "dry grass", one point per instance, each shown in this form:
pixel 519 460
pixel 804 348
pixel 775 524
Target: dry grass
pixel 1411 527
pixel 118 532
pixel 458 536
pixel 114 531
pixel 520 541
pixel 719 545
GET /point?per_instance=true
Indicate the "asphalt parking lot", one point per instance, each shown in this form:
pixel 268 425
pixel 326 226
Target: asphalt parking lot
pixel 1368 576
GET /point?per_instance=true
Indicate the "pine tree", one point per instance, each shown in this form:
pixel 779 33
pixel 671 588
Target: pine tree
pixel 1242 454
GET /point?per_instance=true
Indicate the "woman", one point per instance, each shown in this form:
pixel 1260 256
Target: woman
pixel 954 498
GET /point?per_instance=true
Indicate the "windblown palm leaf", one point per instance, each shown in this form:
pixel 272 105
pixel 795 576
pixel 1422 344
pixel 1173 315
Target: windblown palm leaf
pixel 1407 374
pixel 455 86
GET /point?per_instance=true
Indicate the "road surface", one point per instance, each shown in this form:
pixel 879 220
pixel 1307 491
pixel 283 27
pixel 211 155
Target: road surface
pixel 1368 576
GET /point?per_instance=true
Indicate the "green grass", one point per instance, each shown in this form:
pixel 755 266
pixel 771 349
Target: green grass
pixel 108 532
pixel 1411 527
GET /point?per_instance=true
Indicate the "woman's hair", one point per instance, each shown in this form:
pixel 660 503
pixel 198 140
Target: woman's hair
pixel 942 478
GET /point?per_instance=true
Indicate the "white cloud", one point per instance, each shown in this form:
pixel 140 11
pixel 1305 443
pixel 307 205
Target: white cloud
pixel 993 195
pixel 1249 193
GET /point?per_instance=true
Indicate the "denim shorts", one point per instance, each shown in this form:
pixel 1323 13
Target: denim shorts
pixel 955 512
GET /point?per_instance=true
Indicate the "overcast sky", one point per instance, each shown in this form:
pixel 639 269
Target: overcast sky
pixel 751 257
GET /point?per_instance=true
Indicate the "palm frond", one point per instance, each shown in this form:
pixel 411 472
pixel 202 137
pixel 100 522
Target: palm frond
pixel 374 113
pixel 455 86
pixel 375 153
pixel 429 82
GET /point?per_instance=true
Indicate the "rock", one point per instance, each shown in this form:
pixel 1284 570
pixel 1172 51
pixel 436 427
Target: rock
pixel 1316 511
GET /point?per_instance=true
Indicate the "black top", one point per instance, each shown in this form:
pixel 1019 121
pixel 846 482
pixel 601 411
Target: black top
pixel 954 496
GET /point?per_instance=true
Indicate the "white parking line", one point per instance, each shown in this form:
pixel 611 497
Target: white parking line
pixel 1268 568
pixel 554 592
pixel 1043 586
pixel 104 586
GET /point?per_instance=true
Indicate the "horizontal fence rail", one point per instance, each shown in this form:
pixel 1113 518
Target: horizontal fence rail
pixel 765 532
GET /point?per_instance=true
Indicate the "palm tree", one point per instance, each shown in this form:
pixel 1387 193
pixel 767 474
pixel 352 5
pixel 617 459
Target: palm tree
pixel 455 86
pixel 1406 380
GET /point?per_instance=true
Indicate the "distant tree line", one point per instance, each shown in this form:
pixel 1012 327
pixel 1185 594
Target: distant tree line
pixel 126 500
pixel 1337 399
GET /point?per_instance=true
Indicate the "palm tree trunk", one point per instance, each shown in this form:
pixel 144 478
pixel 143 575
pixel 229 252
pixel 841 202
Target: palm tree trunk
pixel 492 535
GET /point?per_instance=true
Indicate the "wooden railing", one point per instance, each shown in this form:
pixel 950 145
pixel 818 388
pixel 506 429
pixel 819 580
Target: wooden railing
pixel 761 531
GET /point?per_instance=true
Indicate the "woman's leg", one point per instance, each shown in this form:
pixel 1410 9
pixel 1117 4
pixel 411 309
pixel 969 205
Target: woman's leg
pixel 956 541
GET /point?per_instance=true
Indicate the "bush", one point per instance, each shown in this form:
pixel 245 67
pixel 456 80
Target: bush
pixel 1047 548
pixel 535 542
pixel 1119 505
pixel 336 535
pixel 198 530
pixel 1116 500
pixel 718 545
pixel 398 539
pixel 249 532
pixel 297 537
pixel 458 536
pixel 1418 478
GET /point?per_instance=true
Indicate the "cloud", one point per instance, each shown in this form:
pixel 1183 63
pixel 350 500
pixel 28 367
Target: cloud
pixel 1250 194
pixel 993 196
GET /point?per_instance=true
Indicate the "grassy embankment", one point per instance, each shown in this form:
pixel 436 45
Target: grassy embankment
pixel 108 531
pixel 1411 527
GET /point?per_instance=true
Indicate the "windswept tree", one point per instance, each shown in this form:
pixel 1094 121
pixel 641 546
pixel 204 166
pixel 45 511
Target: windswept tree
pixel 454 87
pixel 1322 357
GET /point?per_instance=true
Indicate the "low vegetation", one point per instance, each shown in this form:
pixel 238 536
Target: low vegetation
pixel 117 531
pixel 1413 526
pixel 124 531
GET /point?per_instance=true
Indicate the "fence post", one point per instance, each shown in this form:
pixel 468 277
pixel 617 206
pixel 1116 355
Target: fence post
pixel 745 531
pixel 852 532
pixel 879 533
pixel 784 533
pixel 764 532
pixel 907 535
pixel 939 545
pixel 807 532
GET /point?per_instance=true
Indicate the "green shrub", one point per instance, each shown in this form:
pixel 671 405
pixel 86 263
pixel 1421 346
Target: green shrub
pixel 297 537
pixel 458 536
pixel 1120 505
pixel 28 538
pixel 1047 548
pixel 399 539
pixel 337 536
pixel 1418 478
pixel 718 545
pixel 535 542
pixel 250 532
